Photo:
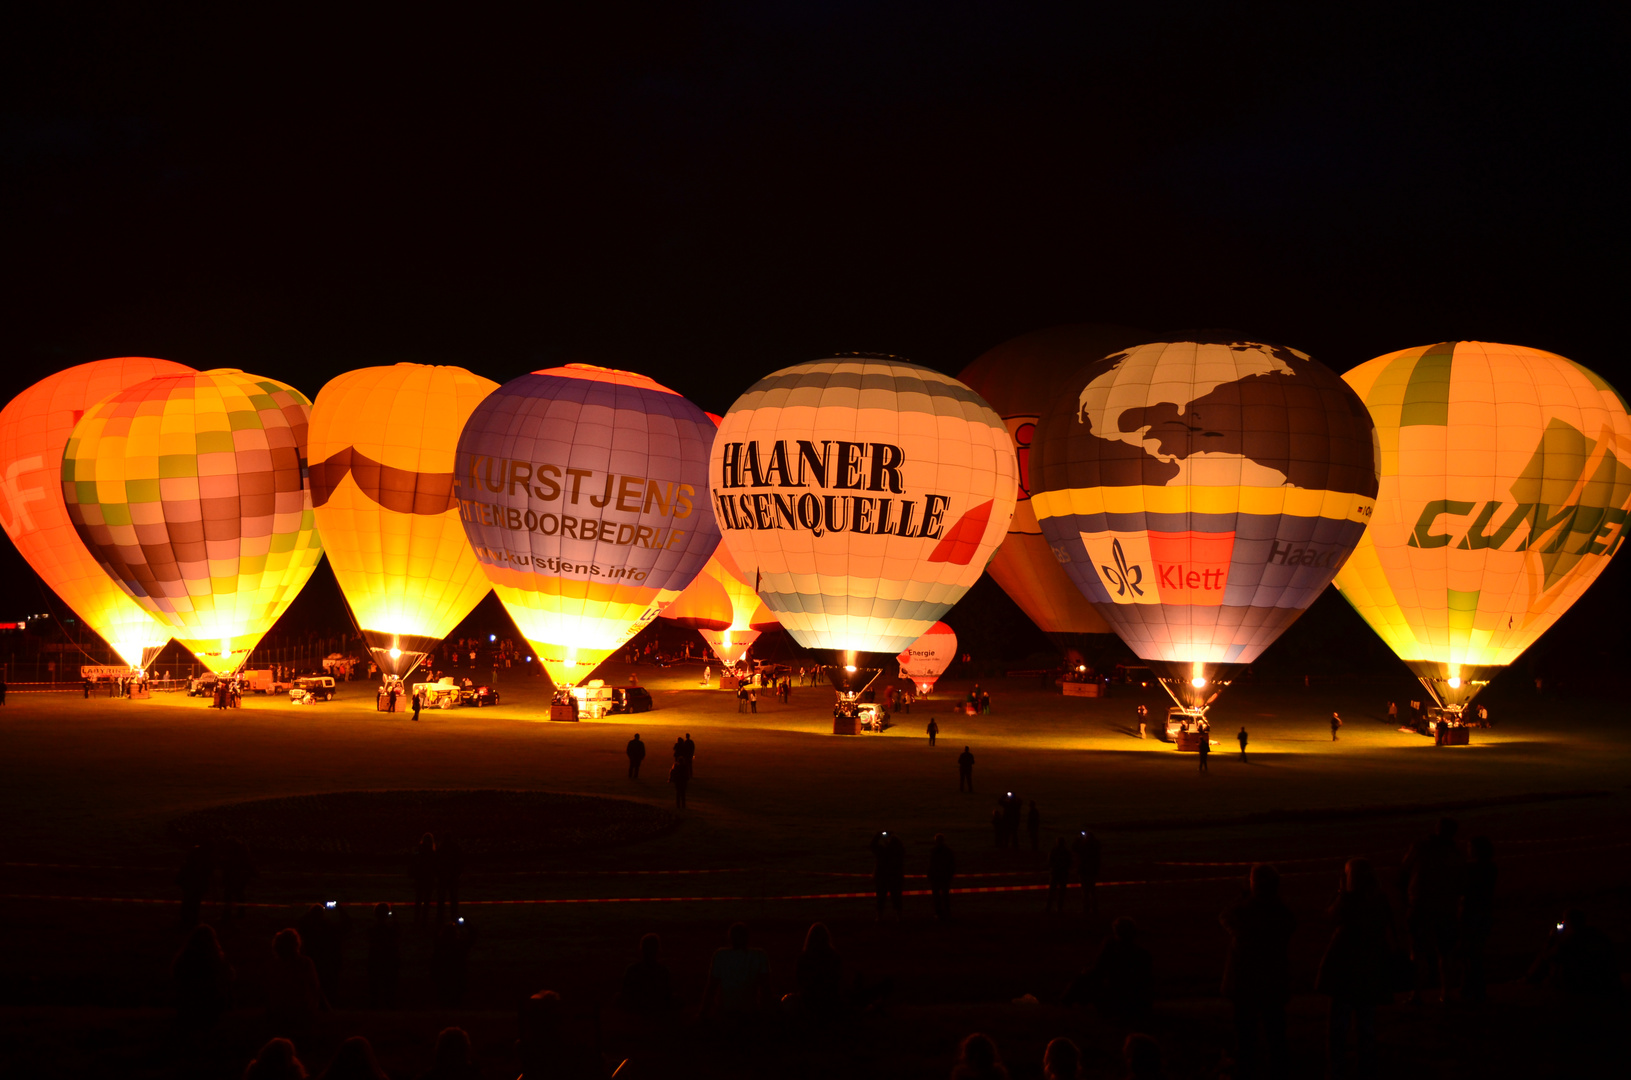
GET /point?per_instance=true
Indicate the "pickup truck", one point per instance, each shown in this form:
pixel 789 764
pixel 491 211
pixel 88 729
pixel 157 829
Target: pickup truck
pixel 441 694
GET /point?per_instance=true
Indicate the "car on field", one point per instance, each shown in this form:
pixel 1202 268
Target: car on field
pixel 312 688
pixel 203 685
pixel 630 699
pixel 442 694
pixel 471 694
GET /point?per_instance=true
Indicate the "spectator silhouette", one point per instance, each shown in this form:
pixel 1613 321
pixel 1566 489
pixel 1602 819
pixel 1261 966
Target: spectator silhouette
pixel 1256 976
pixel 547 1047
pixel 636 751
pixel 293 992
pixel 1062 1060
pixel 384 958
pixel 276 1060
pixel 422 869
pixel 888 871
pixel 453 1058
pixel 942 868
pixel 647 988
pixel 449 866
pixel 965 771
pixel 450 962
pixel 354 1061
pixel 679 774
pixel 819 974
pixel 738 980
pixel 1578 961
pixel 1121 982
pixel 194 878
pixel 977 1059
pixel 1141 1058
pixel 322 937
pixel 237 870
pixel 1059 860
pixel 1477 916
pixel 1354 973
pixel 1088 858
pixel 203 980
pixel 1430 879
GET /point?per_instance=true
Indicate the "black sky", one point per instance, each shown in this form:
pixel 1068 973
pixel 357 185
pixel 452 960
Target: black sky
pixel 705 192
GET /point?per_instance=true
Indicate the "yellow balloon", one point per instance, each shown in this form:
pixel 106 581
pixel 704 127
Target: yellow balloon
pixel 1505 480
pixel 381 443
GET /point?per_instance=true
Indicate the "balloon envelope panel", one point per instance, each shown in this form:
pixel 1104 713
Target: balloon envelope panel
pixel 191 491
pixel 382 445
pixel 864 494
pixel 1202 494
pixel 34 429
pixel 1505 481
pixel 582 493
pixel 1020 379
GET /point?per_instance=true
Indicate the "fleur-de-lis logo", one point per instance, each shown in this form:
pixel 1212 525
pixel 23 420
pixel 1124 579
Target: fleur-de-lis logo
pixel 1124 577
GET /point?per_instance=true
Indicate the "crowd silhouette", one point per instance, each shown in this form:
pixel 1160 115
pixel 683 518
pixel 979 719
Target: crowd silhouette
pixel 1424 941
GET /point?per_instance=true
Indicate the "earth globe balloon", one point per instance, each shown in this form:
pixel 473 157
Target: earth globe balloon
pixel 1201 494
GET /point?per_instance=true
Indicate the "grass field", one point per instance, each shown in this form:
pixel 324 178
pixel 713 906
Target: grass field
pixel 780 809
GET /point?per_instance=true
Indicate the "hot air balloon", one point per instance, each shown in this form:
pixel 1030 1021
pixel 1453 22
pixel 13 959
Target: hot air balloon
pixel 582 490
pixel 865 494
pixel 1506 479
pixel 720 604
pixel 382 441
pixel 191 492
pixel 34 428
pixel 926 659
pixel 1019 378
pixel 1201 494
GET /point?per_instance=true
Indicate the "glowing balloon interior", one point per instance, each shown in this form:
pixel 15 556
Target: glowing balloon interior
pixel 1506 479
pixel 34 430
pixel 382 445
pixel 1201 495
pixel 191 492
pixel 581 491
pixel 864 494
pixel 926 659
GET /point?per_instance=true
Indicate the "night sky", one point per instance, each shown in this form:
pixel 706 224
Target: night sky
pixel 705 193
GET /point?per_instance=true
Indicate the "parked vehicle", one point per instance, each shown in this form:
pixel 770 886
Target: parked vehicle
pixel 441 694
pixel 470 694
pixel 313 688
pixel 203 685
pixel 630 699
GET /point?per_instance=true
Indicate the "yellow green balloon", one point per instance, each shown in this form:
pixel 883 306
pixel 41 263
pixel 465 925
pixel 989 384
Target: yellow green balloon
pixel 1505 481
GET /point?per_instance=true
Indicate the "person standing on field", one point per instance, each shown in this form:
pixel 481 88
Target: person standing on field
pixel 1242 739
pixel 933 730
pixel 965 771
pixel 1336 722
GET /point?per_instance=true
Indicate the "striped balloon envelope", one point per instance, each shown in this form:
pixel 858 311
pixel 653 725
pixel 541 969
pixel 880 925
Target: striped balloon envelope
pixel 583 493
pixel 1201 494
pixel 34 429
pixel 1506 480
pixel 191 491
pixel 382 444
pixel 720 604
pixel 864 495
